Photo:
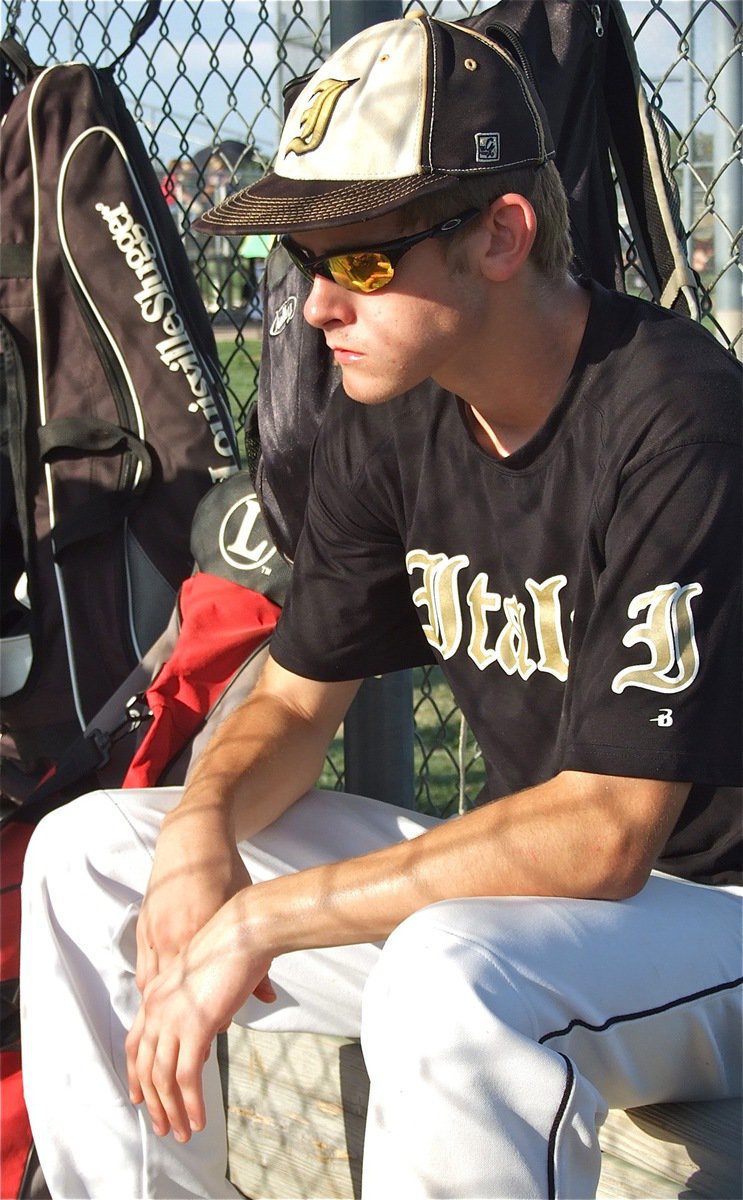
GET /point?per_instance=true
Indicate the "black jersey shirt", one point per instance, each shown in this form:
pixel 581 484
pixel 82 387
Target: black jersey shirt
pixel 583 595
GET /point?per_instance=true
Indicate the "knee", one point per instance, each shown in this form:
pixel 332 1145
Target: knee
pixel 436 972
pixel 57 835
pixel 70 845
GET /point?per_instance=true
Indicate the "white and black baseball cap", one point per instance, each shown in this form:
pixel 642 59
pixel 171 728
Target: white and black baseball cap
pixel 401 109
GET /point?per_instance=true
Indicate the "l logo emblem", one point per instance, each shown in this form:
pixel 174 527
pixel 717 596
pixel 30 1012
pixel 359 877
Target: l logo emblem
pixel 235 537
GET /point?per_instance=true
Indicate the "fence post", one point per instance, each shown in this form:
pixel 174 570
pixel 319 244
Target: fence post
pixel 378 730
pixel 728 188
pixel 378 740
pixel 348 17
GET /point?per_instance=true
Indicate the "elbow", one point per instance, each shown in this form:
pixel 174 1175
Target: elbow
pixel 622 885
pixel 625 824
pixel 623 868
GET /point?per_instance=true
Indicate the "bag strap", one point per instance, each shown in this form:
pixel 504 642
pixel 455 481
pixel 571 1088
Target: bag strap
pixel 13 420
pixel 79 761
pixel 17 60
pixel 641 156
pixel 89 435
pixel 139 28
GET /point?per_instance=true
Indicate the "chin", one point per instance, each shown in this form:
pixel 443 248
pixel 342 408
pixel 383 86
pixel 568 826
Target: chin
pixel 365 389
pixel 368 395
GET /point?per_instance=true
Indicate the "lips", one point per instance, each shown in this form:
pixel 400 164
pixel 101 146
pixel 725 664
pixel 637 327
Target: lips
pixel 345 355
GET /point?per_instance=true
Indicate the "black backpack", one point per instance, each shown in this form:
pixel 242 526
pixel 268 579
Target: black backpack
pixel 113 416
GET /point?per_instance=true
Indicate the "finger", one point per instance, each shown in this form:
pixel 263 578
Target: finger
pixel 167 1085
pixel 143 1067
pixel 136 1095
pixel 191 1059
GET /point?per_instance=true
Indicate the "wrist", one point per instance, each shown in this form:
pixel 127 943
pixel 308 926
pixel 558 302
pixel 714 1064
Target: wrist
pixel 203 804
pixel 267 926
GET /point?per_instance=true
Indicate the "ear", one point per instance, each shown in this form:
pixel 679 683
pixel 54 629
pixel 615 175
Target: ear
pixel 511 224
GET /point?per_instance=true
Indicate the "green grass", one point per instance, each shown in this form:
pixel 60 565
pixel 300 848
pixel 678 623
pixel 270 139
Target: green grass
pixel 440 743
pixel 240 362
pixel 436 750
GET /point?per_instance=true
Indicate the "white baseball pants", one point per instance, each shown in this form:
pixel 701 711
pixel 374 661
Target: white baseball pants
pixel 496 1032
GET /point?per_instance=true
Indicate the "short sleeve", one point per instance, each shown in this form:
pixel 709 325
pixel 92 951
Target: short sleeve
pixel 349 613
pixel 654 687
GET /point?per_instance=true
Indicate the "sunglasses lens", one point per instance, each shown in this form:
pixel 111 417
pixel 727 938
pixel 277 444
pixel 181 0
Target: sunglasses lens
pixel 366 271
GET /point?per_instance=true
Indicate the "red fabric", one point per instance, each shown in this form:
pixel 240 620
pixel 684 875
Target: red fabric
pixel 15 838
pixel 221 624
pixel 16 1132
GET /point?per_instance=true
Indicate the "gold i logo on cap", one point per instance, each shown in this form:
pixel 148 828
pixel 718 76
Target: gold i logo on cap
pixel 314 121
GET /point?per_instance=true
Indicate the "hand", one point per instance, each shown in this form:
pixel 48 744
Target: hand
pixel 183 1009
pixel 196 870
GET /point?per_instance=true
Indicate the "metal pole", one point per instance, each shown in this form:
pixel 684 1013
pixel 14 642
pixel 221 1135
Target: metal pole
pixel 728 192
pixel 378 730
pixel 348 17
pixel 689 214
pixel 378 740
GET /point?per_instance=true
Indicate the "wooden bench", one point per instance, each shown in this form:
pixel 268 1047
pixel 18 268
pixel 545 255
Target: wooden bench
pixel 296 1108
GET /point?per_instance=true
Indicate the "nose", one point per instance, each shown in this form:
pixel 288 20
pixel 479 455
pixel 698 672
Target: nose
pixel 327 303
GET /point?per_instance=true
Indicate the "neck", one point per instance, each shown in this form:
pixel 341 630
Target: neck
pixel 521 366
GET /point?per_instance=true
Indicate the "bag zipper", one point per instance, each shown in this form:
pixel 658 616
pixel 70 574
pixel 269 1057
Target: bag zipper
pixel 597 20
pixel 593 10
pixel 511 36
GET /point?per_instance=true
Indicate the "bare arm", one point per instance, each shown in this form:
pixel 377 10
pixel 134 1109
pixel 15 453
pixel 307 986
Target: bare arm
pixel 264 756
pixel 576 835
pixel 580 835
pixel 271 750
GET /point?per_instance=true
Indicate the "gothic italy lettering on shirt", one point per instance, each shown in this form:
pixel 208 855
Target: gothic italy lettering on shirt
pixel 532 633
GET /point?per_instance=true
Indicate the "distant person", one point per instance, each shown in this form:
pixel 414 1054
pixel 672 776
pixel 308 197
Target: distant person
pixel 170 183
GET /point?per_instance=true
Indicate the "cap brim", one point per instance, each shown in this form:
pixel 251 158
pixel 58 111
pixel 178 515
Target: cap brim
pixel 276 204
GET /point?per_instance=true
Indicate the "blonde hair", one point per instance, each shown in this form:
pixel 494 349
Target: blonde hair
pixel 543 188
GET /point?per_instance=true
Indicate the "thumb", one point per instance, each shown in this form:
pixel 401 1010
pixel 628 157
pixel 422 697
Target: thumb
pixel 265 991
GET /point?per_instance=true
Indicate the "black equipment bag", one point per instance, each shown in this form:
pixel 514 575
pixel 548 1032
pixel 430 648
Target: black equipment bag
pixel 114 420
pixel 204 663
pixel 583 60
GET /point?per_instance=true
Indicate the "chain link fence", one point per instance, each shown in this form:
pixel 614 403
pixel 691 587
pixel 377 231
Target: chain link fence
pixel 205 84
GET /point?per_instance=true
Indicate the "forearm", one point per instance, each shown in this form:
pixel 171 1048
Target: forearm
pixel 560 839
pixel 267 754
pixel 257 764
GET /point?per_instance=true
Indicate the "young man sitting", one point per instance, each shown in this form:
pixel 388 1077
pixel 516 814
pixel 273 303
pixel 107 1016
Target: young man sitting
pixel 558 526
